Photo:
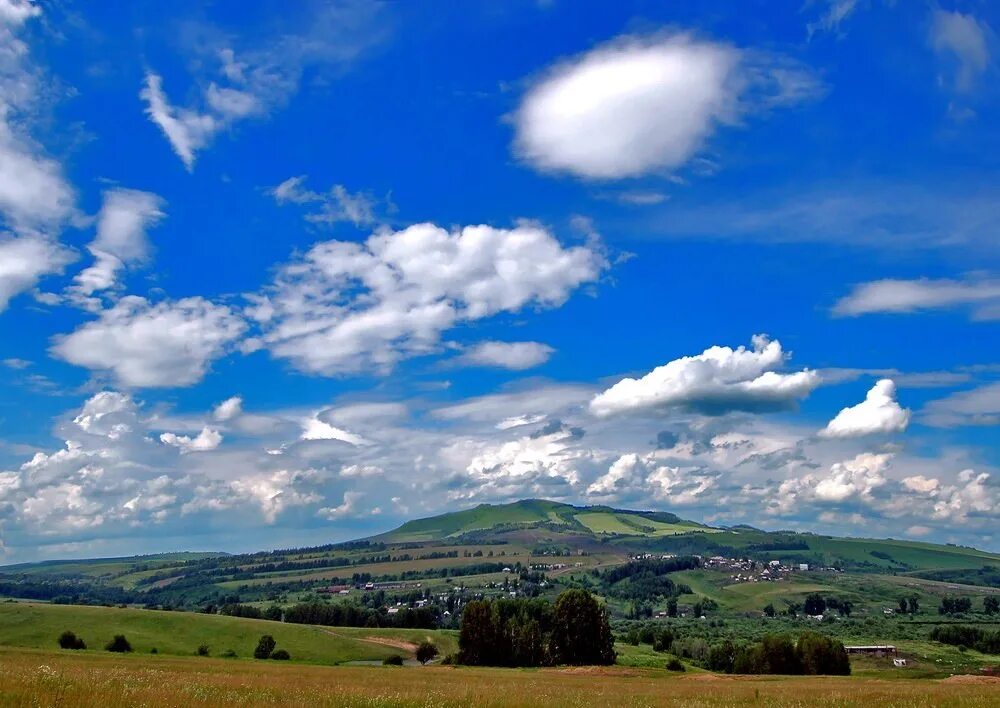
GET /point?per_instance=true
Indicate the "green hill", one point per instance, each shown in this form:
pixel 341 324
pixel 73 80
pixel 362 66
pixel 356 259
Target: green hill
pixel 539 513
pixel 37 625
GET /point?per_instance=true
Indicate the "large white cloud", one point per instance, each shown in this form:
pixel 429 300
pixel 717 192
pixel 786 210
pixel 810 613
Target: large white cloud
pixel 878 413
pixel 642 104
pixel 144 344
pixel 718 380
pixel 346 307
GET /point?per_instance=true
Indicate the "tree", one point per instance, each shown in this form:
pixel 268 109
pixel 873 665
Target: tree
pixel 991 605
pixel 721 657
pixel 903 606
pixel 914 604
pixel 819 655
pixel 281 655
pixel 203 650
pixel 769 610
pixel 119 644
pixel 264 647
pixel 477 635
pixel 69 640
pixel 698 610
pixel 426 652
pixel 273 613
pixel 845 608
pixel 672 607
pixel 581 633
pixel 815 604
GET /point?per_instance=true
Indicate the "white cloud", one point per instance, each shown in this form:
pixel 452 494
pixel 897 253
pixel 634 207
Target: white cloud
pixel 346 307
pixel 157 345
pixel 228 409
pixel 345 509
pixel 316 429
pixel 517 421
pixel 24 260
pixel 106 413
pixel 643 104
pixel 836 12
pixel 515 356
pixel 963 39
pixel 972 494
pixel 121 239
pixel 878 413
pixel 237 84
pixel 906 296
pixel 718 380
pixel 205 441
pixel 187 131
pixel 643 477
pixel 978 406
pixel 333 206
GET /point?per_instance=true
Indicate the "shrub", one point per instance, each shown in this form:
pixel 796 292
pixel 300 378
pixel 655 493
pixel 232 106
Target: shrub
pixel 154 651
pixel 674 664
pixel 394 660
pixel 264 647
pixel 68 640
pixel 426 651
pixel 281 655
pixel 228 654
pixel 448 660
pixel 203 650
pixel 119 644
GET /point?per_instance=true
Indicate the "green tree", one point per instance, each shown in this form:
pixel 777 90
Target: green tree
pixel 914 604
pixel 477 635
pixel 769 610
pixel 264 647
pixel 119 644
pixel 69 640
pixel 815 604
pixel 722 657
pixel 819 655
pixel 426 652
pixel 903 605
pixel 581 633
pixel 672 607
pixel 991 605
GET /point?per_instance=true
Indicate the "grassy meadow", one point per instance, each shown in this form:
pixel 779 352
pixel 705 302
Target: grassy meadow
pixel 37 626
pixel 45 678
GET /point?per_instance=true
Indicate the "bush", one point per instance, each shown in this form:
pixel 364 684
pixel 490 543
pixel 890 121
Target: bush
pixel 119 644
pixel 674 664
pixel 394 660
pixel 228 654
pixel 281 655
pixel 68 640
pixel 202 650
pixel 426 651
pixel 154 651
pixel 448 660
pixel 264 647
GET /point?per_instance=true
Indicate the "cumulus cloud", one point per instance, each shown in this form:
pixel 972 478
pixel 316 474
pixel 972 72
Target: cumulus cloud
pixel 906 296
pixel 644 104
pixel 349 507
pixel 633 476
pixel 878 413
pixel 962 39
pixel 106 413
pixel 346 307
pixel 156 345
pixel 205 441
pixel 121 240
pixel 515 356
pixel 228 409
pixel 718 380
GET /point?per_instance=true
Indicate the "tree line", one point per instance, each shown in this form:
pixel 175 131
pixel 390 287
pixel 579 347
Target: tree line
pixel 517 632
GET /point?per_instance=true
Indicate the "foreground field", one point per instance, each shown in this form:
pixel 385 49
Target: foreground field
pixel 33 625
pixel 36 678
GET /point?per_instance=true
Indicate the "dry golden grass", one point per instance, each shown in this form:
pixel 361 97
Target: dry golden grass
pixel 38 678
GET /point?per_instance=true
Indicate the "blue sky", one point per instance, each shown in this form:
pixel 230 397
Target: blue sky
pixel 295 273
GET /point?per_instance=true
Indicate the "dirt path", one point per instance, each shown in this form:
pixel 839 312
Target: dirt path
pixel 383 641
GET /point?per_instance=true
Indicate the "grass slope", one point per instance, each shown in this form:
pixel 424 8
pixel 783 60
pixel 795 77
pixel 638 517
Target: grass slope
pixel 34 625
